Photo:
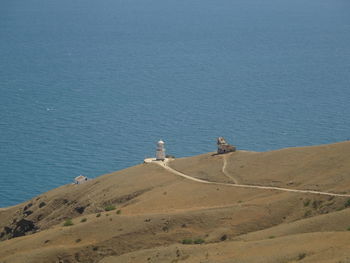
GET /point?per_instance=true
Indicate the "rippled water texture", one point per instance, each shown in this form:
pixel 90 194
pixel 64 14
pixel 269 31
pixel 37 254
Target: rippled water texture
pixel 88 87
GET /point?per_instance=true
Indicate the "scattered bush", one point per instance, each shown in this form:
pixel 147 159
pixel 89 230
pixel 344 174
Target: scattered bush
pixel 187 241
pixel 119 212
pixel 68 222
pixel 98 215
pixel 78 240
pixel 306 202
pixel 348 228
pixel 347 203
pixel 109 208
pixel 223 238
pixel 199 241
pixel 301 256
pixel 316 203
pixel 83 220
pixel 307 213
pixel 271 237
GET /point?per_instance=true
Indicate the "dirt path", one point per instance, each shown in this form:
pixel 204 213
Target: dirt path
pixel 224 158
pixel 166 166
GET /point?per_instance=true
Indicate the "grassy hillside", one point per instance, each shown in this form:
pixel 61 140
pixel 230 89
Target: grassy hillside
pixel 145 213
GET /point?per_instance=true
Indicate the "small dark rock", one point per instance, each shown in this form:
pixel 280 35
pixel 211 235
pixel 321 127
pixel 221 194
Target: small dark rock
pixel 80 209
pixel 42 204
pixel 223 238
pixel 27 206
pixel 27 213
pixel 8 230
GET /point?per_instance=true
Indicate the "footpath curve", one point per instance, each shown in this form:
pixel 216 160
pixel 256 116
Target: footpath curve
pixel 165 165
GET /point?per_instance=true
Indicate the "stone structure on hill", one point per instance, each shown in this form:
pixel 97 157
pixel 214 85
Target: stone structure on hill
pixel 80 179
pixel 224 147
pixel 160 154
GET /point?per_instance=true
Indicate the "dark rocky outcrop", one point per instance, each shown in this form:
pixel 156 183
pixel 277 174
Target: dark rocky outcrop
pixel 22 227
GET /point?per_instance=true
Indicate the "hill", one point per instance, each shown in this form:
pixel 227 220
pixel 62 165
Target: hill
pixel 145 213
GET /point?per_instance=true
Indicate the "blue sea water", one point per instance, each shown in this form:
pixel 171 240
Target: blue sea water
pixel 88 87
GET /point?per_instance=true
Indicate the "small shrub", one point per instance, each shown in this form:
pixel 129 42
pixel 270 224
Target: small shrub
pixel 271 237
pixel 187 241
pixel 223 238
pixel 301 256
pixel 306 202
pixel 307 213
pixel 348 229
pixel 98 215
pixel 316 203
pixel 119 212
pixel 68 222
pixel 78 240
pixel 199 241
pixel 347 203
pixel 83 220
pixel 109 208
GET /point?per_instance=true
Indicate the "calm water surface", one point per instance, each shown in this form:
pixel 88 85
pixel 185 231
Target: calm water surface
pixel 87 87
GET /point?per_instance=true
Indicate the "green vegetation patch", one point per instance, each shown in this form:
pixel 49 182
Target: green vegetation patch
pixel 83 220
pixel 187 241
pixel 68 222
pixel 110 208
pixel 306 202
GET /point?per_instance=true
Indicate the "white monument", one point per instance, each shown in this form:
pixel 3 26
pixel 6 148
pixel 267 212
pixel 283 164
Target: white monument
pixel 160 154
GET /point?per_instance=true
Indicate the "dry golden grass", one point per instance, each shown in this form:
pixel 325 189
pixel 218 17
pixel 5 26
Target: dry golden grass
pixel 159 209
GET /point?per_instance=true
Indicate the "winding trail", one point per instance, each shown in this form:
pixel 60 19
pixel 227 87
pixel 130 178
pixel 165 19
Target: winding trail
pixel 165 165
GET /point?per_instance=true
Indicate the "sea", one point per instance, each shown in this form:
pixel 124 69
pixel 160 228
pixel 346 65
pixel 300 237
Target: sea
pixel 89 86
